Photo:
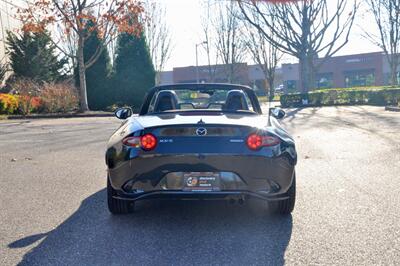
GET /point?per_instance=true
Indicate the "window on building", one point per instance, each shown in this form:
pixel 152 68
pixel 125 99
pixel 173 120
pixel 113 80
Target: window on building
pixel 324 81
pixel 359 78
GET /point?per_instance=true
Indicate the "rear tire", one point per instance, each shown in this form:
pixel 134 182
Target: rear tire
pixel 117 206
pixel 285 207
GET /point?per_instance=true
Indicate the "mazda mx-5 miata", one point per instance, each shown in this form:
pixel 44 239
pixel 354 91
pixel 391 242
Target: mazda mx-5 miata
pixel 201 141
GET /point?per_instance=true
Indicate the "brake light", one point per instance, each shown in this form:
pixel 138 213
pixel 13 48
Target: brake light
pixel 255 141
pixel 147 142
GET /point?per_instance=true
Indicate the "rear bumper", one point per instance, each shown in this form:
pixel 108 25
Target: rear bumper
pixel 201 195
pixel 257 176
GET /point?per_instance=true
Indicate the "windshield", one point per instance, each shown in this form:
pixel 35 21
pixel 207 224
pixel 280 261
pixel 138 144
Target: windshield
pixel 209 99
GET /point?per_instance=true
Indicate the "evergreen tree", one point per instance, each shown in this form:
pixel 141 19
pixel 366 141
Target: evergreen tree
pixel 97 76
pixel 134 72
pixel 33 56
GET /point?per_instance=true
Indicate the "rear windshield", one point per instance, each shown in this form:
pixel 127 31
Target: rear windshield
pixel 167 100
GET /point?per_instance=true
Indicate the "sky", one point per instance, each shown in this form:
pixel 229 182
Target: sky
pixel 184 20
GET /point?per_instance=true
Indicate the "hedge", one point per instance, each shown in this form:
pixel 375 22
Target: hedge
pixel 379 97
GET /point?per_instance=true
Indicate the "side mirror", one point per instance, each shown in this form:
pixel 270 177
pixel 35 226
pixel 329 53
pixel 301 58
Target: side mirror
pixel 123 113
pixel 278 113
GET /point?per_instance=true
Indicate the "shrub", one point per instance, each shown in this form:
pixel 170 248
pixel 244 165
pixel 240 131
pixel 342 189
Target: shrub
pixel 8 104
pixel 29 104
pixel 27 90
pixel 37 104
pixel 59 97
pixel 378 97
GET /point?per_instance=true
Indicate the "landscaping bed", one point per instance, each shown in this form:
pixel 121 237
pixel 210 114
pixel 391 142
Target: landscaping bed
pixel 61 115
pixel 382 96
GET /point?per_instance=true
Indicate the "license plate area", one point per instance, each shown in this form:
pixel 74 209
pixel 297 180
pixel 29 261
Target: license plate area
pixel 201 181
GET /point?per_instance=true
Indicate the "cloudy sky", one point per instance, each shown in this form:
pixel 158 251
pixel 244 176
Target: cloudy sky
pixel 184 16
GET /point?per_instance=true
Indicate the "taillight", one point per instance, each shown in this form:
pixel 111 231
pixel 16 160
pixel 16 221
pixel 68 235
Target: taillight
pixel 255 142
pixel 132 142
pixel 147 142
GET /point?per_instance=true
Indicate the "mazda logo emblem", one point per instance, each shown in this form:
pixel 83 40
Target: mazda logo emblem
pixel 201 131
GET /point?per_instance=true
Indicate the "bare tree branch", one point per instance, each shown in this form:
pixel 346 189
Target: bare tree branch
pixel 264 54
pixel 158 36
pixel 386 14
pixel 229 44
pixel 304 29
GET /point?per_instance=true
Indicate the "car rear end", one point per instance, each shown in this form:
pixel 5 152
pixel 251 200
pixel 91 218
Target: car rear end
pixel 201 161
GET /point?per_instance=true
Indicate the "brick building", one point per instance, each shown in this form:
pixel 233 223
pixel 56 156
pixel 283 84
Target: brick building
pixel 250 75
pixel 371 69
pixel 7 22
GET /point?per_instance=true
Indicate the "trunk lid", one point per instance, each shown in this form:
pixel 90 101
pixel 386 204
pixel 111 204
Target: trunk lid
pixel 201 134
pixel 151 121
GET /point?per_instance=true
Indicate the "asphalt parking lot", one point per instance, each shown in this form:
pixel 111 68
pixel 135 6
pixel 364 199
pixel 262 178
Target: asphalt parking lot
pixel 53 209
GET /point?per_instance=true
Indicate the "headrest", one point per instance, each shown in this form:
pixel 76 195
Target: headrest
pixel 166 100
pixel 236 100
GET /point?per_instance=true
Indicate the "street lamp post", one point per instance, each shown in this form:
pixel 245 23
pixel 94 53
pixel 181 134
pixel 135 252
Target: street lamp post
pixel 197 61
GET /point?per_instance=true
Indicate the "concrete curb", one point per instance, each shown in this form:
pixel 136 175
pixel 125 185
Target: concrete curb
pixel 392 108
pixel 52 116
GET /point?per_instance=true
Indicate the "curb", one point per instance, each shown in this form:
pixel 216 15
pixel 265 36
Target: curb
pixel 51 116
pixel 392 108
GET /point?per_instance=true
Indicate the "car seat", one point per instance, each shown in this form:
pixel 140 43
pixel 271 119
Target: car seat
pixel 235 100
pixel 166 100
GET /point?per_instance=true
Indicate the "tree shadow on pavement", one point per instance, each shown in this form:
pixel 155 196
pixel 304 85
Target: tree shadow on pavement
pixel 163 232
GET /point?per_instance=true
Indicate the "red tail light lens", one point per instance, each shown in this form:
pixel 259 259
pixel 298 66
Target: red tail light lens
pixel 255 142
pixel 148 142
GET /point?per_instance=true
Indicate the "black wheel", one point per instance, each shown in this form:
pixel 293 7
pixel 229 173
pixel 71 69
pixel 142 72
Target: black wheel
pixel 285 207
pixel 117 206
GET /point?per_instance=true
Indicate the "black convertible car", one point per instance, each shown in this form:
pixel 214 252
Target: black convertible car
pixel 201 141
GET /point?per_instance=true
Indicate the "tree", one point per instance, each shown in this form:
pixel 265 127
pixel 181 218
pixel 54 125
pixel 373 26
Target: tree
pixel 264 54
pixel 107 17
pixel 387 17
pixel 99 91
pixel 229 42
pixel 158 36
pixel 303 29
pixel 134 73
pixel 33 56
pixel 209 42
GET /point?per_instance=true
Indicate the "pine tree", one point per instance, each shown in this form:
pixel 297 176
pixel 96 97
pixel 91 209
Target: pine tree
pixel 97 76
pixel 33 56
pixel 134 72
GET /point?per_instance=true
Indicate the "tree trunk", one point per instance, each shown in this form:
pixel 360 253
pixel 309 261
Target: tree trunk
pixel 271 89
pixel 306 73
pixel 393 72
pixel 82 77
